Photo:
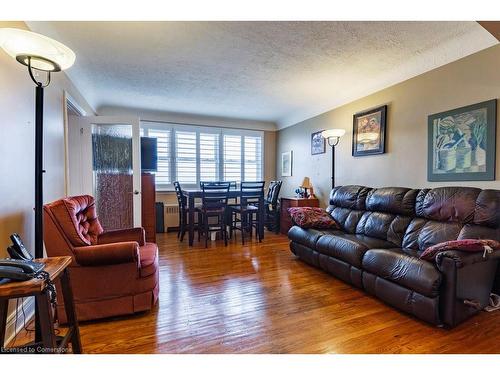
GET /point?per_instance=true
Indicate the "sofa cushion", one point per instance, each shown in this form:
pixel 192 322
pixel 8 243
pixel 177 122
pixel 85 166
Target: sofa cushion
pixel 349 196
pixel 349 247
pixel 312 217
pixel 394 200
pixel 488 209
pixel 308 237
pixel 403 269
pixel 451 203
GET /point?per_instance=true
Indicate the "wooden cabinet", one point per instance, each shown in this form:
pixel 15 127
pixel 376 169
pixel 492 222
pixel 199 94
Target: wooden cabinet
pixel 287 202
pixel 148 203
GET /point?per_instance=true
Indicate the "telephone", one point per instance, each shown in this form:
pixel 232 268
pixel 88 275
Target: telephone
pixel 17 250
pixel 20 270
pixel 21 266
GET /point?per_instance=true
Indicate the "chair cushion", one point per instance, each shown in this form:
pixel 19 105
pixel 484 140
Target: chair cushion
pixel 148 257
pixel 308 237
pixel 78 219
pixel 312 217
pixel 403 269
pixel 349 247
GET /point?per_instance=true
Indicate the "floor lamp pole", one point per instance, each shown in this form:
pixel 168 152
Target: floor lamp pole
pixel 39 172
pixel 333 167
pixel 38 189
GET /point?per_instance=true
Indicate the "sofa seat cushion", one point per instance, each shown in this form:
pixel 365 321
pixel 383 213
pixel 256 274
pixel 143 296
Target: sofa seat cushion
pixel 403 269
pixel 308 237
pixel 349 247
pixel 149 259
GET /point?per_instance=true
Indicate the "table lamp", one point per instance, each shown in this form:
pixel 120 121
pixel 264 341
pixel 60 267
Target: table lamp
pixel 306 184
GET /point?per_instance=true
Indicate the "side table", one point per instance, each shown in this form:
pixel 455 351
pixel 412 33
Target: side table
pixel 56 267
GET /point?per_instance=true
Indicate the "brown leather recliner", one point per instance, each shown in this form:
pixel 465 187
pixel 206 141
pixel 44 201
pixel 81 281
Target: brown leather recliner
pixel 113 273
pixel 384 231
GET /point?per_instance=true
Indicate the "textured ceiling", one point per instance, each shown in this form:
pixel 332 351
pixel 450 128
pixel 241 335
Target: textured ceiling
pixel 283 72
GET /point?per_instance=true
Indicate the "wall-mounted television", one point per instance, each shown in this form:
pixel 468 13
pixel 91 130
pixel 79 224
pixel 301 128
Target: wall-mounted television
pixel 149 155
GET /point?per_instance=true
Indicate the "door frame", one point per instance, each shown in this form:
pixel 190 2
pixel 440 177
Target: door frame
pixel 69 102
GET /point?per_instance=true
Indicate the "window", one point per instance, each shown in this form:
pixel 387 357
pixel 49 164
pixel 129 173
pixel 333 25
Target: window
pixel 186 154
pixel 209 157
pixel 232 158
pixel 163 176
pixel 190 154
pixel 253 158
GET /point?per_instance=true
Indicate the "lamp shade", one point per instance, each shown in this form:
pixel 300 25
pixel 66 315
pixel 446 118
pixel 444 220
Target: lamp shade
pixel 45 53
pixel 333 133
pixel 306 183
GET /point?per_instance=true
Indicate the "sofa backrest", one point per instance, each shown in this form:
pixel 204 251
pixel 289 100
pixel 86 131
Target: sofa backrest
pixel 416 219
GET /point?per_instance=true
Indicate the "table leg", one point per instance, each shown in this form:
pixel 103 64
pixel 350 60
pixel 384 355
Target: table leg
pixel 191 219
pixel 69 305
pixel 4 303
pixel 46 320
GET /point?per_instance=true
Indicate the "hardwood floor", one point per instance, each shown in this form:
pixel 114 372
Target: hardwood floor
pixel 260 299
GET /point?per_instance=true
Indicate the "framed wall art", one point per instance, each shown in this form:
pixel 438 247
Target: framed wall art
pixel 286 163
pixel 368 136
pixel 318 143
pixel 462 143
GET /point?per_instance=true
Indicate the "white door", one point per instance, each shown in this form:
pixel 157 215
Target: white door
pixel 105 162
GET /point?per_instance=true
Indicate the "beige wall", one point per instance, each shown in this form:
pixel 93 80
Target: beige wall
pixel 17 166
pixel 467 81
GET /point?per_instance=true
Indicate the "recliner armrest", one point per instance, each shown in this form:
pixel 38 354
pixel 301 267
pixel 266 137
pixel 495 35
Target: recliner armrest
pixel 123 235
pixel 463 258
pixel 107 254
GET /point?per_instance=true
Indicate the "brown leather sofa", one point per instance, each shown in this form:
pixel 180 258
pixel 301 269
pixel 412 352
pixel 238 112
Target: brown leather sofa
pixel 113 273
pixel 383 232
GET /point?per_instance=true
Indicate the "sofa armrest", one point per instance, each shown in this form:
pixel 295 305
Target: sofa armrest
pixel 123 235
pixel 107 254
pixel 463 258
pixel 467 283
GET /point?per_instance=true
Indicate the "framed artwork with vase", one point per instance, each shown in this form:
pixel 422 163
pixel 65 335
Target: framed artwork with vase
pixel 462 143
pixel 368 132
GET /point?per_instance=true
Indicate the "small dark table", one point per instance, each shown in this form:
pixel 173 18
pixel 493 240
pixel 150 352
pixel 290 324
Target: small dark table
pixel 192 194
pixel 57 267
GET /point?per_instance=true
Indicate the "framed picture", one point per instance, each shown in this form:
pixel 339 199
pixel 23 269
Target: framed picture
pixel 368 132
pixel 286 163
pixel 318 143
pixel 462 143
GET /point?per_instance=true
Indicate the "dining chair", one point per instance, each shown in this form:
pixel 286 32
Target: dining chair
pixel 183 212
pixel 251 193
pixel 271 204
pixel 214 203
pixel 232 185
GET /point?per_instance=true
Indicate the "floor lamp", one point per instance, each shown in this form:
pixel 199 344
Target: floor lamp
pixel 333 137
pixel 40 54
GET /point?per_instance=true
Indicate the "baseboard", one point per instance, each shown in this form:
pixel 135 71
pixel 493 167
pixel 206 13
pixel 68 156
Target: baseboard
pixel 12 328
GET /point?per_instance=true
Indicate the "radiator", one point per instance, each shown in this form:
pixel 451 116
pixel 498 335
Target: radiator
pixel 171 216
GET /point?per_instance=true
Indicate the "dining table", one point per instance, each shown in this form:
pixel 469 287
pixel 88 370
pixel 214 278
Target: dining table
pixel 193 194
